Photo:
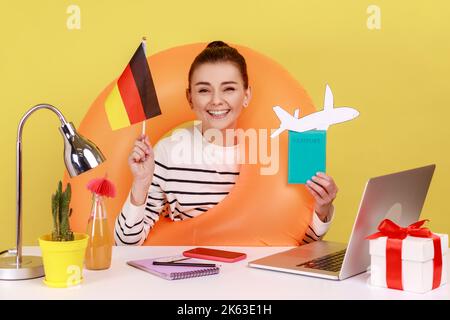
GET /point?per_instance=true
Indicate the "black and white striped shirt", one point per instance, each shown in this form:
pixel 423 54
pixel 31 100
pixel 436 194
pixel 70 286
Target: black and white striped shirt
pixel 184 191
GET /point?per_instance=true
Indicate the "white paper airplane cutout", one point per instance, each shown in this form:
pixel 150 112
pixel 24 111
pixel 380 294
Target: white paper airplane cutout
pixel 319 120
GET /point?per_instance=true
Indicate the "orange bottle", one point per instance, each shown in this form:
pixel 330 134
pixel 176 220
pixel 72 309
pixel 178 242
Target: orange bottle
pixel 99 249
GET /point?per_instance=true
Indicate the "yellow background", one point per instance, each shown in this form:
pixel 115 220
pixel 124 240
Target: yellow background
pixel 397 77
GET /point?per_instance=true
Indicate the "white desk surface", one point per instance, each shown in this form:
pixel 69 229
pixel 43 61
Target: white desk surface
pixel 236 281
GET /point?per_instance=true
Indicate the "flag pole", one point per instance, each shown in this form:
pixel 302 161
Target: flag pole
pixel 144 45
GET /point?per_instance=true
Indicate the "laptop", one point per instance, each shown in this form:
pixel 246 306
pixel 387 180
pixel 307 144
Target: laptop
pixel 399 196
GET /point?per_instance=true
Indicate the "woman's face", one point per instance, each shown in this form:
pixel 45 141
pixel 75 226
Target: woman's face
pixel 217 95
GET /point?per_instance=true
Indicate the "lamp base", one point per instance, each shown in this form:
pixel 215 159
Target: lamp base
pixel 30 268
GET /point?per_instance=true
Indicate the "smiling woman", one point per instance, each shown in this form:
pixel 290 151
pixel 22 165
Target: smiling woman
pixel 255 209
pixel 218 103
pixel 218 87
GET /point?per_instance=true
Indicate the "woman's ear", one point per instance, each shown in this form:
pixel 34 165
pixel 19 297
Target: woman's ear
pixel 188 97
pixel 248 96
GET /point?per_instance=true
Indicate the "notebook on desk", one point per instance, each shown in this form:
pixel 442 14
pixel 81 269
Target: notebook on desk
pixel 173 272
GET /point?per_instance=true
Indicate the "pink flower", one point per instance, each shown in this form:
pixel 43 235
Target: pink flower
pixel 102 187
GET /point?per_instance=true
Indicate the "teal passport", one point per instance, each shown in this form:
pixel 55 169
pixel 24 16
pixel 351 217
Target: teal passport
pixel 307 155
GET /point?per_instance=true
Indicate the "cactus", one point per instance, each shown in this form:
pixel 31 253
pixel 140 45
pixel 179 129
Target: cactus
pixel 61 213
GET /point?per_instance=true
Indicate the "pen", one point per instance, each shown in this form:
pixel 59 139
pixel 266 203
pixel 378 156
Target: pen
pixel 183 264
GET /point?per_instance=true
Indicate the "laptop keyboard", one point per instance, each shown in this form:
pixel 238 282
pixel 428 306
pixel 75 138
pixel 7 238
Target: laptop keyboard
pixel 330 262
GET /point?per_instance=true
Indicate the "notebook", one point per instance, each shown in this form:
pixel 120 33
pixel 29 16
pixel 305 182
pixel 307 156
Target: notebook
pixel 307 155
pixel 173 272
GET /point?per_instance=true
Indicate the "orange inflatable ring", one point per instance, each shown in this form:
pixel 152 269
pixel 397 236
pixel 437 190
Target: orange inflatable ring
pixel 260 210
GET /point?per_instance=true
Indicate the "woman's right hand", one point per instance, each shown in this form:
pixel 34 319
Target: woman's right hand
pixel 142 160
pixel 142 165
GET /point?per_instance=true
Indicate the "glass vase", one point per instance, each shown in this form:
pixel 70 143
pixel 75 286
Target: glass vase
pixel 99 249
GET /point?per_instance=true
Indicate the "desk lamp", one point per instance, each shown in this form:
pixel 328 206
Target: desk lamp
pixel 80 155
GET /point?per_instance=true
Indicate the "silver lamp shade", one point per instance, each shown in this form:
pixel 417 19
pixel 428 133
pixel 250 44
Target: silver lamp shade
pixel 80 155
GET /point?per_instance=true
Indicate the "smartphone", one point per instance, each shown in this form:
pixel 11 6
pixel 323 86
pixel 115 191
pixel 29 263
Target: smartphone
pixel 214 254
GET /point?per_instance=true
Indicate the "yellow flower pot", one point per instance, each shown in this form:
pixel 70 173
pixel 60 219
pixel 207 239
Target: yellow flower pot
pixel 63 260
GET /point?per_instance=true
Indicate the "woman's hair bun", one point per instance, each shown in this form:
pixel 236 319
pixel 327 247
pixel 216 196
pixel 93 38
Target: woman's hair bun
pixel 217 44
pixel 219 51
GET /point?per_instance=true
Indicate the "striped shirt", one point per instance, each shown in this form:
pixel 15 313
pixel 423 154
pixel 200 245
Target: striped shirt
pixel 191 176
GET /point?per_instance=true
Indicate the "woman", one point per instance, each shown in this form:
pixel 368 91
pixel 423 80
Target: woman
pixel 162 184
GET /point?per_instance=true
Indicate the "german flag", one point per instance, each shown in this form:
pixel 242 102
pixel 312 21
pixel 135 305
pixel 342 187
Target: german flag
pixel 133 99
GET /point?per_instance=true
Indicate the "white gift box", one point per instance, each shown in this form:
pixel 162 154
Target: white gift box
pixel 417 263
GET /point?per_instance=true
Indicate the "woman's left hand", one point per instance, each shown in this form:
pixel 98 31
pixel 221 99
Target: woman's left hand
pixel 324 190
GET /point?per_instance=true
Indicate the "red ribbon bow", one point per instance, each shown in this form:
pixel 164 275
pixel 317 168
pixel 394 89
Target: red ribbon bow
pixel 395 235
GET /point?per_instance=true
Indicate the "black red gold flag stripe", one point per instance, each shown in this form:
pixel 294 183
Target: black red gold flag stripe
pixel 133 99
